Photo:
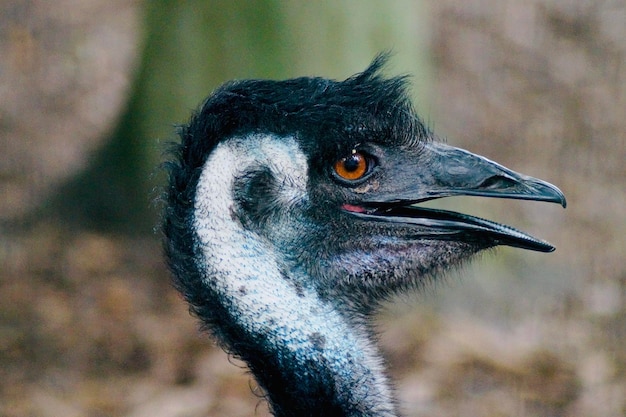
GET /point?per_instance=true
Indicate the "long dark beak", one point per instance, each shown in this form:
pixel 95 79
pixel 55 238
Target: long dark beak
pixel 449 172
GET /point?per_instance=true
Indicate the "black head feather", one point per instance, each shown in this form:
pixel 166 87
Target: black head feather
pixel 330 117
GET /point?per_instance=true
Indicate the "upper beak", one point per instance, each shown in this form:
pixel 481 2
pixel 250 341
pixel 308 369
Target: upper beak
pixel 453 172
pixel 459 172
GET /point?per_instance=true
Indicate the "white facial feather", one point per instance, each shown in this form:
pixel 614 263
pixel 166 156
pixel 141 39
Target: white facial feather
pixel 244 269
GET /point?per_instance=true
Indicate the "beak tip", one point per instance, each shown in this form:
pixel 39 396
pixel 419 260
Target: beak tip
pixel 558 196
pixel 553 193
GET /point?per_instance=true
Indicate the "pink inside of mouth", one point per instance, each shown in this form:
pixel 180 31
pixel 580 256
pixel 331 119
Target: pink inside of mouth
pixel 352 208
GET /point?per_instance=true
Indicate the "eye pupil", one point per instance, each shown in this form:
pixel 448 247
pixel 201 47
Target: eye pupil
pixel 352 167
pixel 352 162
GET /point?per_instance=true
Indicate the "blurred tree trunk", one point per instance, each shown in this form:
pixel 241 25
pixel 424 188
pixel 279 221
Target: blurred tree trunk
pixel 191 47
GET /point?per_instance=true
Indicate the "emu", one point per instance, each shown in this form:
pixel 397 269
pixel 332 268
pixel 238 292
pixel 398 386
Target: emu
pixel 293 213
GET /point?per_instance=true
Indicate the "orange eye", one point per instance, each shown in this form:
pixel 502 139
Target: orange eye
pixel 352 167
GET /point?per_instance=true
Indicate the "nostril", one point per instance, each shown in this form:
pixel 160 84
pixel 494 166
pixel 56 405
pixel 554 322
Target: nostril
pixel 497 181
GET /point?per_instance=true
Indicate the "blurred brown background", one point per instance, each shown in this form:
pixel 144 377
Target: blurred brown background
pixel 90 91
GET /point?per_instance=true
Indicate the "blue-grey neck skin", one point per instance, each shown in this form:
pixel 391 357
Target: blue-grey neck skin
pixel 309 357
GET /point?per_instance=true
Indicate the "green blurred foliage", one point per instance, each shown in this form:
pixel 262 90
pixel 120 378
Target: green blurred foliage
pixel 189 48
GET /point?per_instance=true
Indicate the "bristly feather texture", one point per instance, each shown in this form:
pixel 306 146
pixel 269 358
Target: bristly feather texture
pixel 335 115
pixel 293 213
pixel 318 108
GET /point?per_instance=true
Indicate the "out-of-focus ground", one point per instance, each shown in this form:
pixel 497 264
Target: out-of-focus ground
pixel 89 325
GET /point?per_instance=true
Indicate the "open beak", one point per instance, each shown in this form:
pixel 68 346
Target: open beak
pixel 454 172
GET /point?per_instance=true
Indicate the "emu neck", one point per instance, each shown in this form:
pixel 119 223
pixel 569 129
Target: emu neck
pixel 309 358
